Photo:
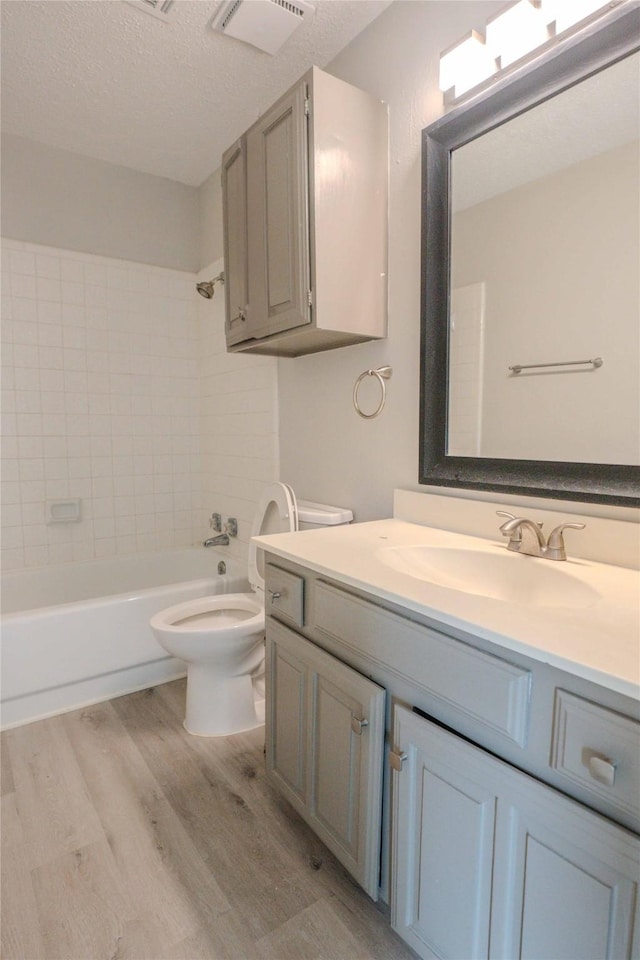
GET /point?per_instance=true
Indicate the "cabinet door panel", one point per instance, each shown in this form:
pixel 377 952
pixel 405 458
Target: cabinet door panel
pixel 566 882
pixel 234 209
pixel 342 741
pixel 337 752
pixel 277 189
pixel 287 699
pixel 444 823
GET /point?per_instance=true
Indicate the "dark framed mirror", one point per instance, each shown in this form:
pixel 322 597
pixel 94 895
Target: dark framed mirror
pixel 530 346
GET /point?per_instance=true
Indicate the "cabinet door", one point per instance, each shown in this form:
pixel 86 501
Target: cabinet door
pixel 325 742
pixel 287 735
pixel 278 212
pixel 234 211
pixel 488 862
pixel 444 812
pixel 566 880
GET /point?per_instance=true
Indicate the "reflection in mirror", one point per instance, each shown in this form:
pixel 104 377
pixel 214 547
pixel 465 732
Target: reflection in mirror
pixel 530 254
pixel 544 270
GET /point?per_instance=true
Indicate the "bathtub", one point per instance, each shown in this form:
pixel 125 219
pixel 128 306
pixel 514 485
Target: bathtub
pixel 79 633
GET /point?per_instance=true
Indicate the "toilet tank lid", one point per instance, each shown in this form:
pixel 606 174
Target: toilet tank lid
pixel 322 514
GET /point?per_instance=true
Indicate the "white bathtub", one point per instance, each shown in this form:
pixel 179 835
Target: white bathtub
pixel 79 633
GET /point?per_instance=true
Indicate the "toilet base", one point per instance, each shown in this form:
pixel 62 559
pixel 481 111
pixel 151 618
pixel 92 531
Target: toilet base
pixel 220 708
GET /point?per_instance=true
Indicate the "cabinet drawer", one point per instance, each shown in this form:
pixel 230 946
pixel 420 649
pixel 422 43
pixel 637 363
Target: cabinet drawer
pixel 597 749
pixel 482 687
pixel 284 595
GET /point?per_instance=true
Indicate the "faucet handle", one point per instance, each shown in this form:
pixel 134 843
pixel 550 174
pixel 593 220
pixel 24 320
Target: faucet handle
pixel 555 544
pixel 509 516
pixel 511 528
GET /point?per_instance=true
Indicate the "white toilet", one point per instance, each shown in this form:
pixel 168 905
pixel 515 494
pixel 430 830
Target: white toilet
pixel 221 638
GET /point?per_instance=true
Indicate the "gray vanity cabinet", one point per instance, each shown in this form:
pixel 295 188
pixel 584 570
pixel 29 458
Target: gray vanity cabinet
pixel 305 195
pixel 511 818
pixel 325 740
pixel 488 862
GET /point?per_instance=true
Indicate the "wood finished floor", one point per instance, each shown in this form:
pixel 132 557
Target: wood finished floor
pixel 124 838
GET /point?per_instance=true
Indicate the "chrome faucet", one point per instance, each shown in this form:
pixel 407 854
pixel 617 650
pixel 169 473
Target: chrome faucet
pixel 526 537
pixel 220 540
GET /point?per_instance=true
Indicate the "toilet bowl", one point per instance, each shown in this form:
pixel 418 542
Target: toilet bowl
pixel 221 638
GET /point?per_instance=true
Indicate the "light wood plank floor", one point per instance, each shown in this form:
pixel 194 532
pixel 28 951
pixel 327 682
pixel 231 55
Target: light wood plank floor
pixel 124 838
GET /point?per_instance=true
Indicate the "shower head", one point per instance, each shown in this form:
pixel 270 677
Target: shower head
pixel 206 288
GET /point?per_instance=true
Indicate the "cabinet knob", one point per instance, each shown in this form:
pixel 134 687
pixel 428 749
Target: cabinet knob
pixel 396 759
pixel 358 724
pixel 274 595
pixel 603 770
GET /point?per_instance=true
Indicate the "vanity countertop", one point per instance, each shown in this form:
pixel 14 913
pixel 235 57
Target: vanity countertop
pixel 598 640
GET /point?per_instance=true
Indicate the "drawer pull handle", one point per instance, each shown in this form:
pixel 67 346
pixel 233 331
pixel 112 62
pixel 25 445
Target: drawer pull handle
pixel 358 724
pixel 274 595
pixel 602 770
pixel 396 760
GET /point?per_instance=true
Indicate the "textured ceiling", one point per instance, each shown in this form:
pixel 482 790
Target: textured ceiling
pixel 104 79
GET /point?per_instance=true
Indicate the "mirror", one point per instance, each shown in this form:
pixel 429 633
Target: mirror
pixel 530 379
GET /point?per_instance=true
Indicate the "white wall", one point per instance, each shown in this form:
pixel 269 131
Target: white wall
pixel 100 400
pixel 64 200
pixel 210 206
pixel 328 452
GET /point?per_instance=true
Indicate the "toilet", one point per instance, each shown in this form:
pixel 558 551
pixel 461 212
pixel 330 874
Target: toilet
pixel 221 637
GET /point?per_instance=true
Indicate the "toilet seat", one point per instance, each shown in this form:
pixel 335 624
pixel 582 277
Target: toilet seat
pixel 276 512
pixel 231 616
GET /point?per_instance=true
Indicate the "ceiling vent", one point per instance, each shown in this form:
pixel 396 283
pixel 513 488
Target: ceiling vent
pixel 157 8
pixel 265 24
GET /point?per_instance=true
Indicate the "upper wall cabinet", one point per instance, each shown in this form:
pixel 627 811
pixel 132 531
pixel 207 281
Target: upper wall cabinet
pixel 305 197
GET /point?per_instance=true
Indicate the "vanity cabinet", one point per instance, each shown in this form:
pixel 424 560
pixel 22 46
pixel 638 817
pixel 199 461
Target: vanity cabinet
pixel 488 862
pixel 325 738
pixel 511 801
pixel 305 195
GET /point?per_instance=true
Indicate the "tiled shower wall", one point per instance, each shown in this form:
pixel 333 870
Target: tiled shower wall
pixel 101 401
pixel 239 422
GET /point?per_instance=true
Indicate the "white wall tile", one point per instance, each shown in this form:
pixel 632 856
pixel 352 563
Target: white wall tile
pixel 79 326
pixel 120 391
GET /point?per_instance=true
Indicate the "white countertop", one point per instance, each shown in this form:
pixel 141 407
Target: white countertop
pixel 599 642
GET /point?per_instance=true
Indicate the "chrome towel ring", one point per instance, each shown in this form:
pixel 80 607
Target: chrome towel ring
pixel 382 374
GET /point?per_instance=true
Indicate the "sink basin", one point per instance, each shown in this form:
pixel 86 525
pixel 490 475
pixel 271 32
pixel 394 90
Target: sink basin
pixel 503 576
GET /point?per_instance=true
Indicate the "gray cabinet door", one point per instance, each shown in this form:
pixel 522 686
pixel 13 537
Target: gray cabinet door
pixel 325 742
pixel 234 211
pixel 566 883
pixel 277 197
pixel 488 862
pixel 444 812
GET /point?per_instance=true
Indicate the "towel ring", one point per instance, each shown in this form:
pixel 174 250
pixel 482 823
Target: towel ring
pixel 382 374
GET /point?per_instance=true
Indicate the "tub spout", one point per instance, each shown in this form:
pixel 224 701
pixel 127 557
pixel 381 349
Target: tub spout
pixel 221 540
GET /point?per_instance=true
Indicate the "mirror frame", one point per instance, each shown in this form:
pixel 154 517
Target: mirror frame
pixel 573 60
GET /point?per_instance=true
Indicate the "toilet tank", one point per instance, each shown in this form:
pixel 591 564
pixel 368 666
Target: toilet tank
pixel 312 516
